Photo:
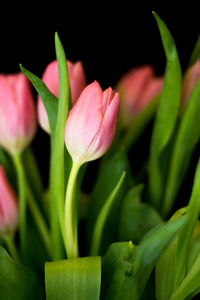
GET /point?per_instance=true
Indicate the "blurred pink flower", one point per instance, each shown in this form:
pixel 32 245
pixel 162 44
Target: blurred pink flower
pixel 51 79
pixel 9 214
pixel 18 121
pixel 189 81
pixel 91 124
pixel 137 89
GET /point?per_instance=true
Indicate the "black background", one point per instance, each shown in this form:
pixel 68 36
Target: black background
pixel 109 38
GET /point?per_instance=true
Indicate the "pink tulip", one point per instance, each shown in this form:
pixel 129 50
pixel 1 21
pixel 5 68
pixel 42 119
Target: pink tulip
pixel 189 80
pixel 8 207
pixel 17 112
pixel 91 123
pixel 51 79
pixel 138 88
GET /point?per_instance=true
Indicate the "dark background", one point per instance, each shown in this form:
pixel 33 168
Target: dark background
pixel 109 38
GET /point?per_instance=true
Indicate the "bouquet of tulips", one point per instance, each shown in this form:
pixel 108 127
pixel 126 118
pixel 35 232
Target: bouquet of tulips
pixel 126 236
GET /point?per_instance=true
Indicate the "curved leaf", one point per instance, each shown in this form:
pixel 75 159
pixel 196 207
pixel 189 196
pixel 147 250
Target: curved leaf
pixel 117 278
pixel 57 166
pixel 102 217
pixel 187 137
pixel 110 172
pixel 152 246
pixel 136 217
pixel 166 115
pixel 73 279
pixel 185 234
pixel 191 283
pixel 49 100
pixel 17 281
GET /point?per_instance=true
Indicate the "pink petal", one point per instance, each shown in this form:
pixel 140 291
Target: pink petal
pixel 84 120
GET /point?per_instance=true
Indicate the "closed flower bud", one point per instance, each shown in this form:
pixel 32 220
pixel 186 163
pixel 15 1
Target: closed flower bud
pixel 91 123
pixel 8 207
pixel 137 89
pixel 189 80
pixel 51 79
pixel 17 113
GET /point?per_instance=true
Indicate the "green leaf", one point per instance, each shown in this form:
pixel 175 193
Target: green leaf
pixel 126 269
pixel 152 246
pixel 194 247
pixel 166 115
pixel 196 52
pixel 166 271
pixel 117 280
pixel 57 168
pixel 49 100
pixel 187 137
pixel 102 217
pixel 166 265
pixel 73 279
pixel 136 217
pixel 190 286
pixel 186 232
pixel 17 281
pixel 110 172
pixel 58 147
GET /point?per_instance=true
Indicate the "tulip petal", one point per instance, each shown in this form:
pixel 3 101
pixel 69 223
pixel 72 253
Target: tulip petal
pixel 153 89
pixel 84 121
pixel 8 206
pixel 189 80
pixel 17 112
pixel 105 135
pixel 133 85
pixel 77 81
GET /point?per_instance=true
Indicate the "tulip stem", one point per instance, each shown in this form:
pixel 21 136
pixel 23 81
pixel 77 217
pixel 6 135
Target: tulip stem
pixel 12 249
pixel 22 202
pixel 71 230
pixel 39 221
pixel 25 191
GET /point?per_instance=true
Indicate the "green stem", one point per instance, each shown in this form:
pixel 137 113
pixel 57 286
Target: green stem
pixel 39 221
pixel 71 231
pixel 22 202
pixel 38 218
pixel 34 178
pixel 56 238
pixel 12 249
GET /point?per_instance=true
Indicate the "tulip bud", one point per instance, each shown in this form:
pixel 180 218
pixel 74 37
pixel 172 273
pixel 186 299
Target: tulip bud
pixel 138 88
pixel 8 207
pixel 51 79
pixel 17 113
pixel 189 80
pixel 91 123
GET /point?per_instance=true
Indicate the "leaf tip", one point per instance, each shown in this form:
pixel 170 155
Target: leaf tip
pixel 21 68
pixel 57 39
pixel 156 16
pixel 130 246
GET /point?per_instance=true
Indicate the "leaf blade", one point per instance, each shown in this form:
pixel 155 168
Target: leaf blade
pixel 49 100
pixel 17 281
pixel 187 137
pixel 102 217
pixel 166 115
pixel 73 279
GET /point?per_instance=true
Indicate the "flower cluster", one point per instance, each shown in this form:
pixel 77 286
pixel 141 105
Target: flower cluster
pixel 84 122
